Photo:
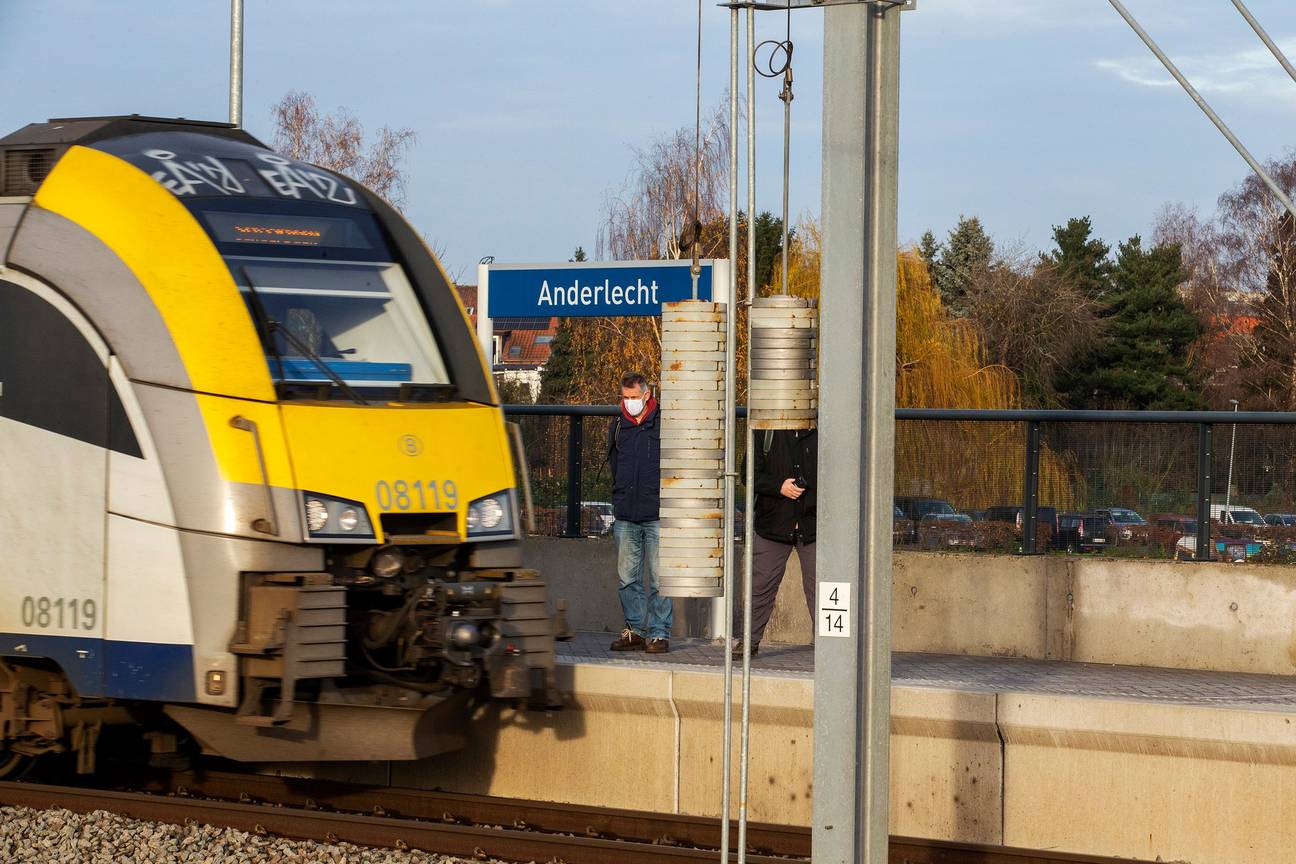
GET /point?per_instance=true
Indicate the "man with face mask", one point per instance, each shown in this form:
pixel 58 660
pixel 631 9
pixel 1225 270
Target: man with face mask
pixel 634 454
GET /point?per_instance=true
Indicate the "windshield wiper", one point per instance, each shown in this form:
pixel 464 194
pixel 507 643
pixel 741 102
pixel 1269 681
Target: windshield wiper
pixel 275 327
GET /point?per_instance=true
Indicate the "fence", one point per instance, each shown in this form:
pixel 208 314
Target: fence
pixel 1032 481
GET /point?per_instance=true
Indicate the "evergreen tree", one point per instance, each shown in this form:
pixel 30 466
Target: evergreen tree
pixel 1080 258
pixel 769 246
pixel 558 378
pixel 929 251
pixel 964 257
pixel 1143 363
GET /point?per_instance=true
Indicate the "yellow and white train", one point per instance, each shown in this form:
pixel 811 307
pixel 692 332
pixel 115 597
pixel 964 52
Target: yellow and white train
pixel 255 482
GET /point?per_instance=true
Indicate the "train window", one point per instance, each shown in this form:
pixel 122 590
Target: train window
pixel 359 322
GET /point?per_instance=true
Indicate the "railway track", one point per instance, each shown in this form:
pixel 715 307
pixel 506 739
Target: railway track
pixel 468 826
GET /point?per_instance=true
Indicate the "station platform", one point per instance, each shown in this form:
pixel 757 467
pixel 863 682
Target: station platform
pixel 970 674
pixel 1121 761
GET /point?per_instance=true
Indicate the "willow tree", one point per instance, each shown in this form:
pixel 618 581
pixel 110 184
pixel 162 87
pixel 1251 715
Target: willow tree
pixel 941 363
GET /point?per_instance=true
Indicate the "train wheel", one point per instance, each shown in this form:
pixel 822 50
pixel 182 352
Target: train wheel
pixel 14 766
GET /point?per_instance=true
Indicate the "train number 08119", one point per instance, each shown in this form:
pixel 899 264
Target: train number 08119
pixel 59 613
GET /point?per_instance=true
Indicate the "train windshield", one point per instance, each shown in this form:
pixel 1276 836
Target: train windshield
pixel 336 311
pixel 356 323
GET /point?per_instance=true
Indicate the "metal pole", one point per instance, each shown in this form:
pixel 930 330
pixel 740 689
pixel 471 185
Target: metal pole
pixel 485 331
pixel 731 472
pixel 236 63
pixel 1202 104
pixel 1228 488
pixel 856 422
pixel 1264 37
pixel 1204 457
pixel 575 446
pixel 786 96
pixel 1030 489
pixel 749 523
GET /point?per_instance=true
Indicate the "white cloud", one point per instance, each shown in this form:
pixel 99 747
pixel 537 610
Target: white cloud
pixel 1250 74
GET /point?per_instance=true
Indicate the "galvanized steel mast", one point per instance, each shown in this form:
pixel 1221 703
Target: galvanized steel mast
pixel 856 424
pixel 236 63
pixel 749 522
pixel 730 467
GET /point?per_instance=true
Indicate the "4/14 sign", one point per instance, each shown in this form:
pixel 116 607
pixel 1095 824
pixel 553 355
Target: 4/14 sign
pixel 834 609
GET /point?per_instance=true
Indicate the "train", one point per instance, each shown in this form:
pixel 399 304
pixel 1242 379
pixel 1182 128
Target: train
pixel 258 498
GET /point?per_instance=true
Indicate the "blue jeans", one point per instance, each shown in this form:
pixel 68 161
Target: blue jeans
pixel 636 544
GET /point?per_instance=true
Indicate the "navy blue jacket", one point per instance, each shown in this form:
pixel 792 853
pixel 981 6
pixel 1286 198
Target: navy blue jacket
pixel 634 454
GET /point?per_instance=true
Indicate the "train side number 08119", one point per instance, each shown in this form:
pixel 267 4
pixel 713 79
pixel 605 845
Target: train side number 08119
pixel 59 613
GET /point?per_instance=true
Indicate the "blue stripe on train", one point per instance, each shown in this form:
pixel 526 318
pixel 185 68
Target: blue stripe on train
pixel 104 667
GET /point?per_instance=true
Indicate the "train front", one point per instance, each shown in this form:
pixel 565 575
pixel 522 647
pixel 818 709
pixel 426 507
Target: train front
pixel 339 473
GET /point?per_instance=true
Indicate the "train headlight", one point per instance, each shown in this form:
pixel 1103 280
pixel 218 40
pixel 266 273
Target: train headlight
pixel 329 518
pixel 387 562
pixel 316 514
pixel 491 515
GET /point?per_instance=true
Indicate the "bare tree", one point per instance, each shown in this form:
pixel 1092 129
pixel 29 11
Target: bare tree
pixel 1034 321
pixel 1225 316
pixel 1258 258
pixel 1242 284
pixel 337 141
pixel 651 216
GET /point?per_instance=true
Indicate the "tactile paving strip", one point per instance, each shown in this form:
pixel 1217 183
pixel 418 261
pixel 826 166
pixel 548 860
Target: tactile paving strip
pixel 978 674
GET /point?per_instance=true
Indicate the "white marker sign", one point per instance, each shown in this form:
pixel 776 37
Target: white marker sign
pixel 834 609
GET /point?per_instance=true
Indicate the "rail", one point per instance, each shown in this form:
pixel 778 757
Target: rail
pixel 1033 422
pixel 470 826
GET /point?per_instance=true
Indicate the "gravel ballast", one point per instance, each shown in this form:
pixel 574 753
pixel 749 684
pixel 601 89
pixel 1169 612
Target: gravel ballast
pixel 65 837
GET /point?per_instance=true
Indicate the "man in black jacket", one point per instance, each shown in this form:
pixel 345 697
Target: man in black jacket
pixel 786 463
pixel 634 452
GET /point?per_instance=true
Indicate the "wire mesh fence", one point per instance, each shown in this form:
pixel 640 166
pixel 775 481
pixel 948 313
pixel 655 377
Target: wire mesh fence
pixel 1110 484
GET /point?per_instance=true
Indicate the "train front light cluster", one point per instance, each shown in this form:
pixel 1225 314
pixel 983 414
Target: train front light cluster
pixel 491 515
pixel 335 518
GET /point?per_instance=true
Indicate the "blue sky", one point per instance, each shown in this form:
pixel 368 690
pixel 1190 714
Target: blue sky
pixel 1024 112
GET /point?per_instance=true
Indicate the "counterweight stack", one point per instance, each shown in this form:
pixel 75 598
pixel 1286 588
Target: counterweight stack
pixel 692 449
pixel 784 391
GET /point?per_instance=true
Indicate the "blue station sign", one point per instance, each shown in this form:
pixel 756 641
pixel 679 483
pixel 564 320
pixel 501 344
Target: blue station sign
pixel 589 289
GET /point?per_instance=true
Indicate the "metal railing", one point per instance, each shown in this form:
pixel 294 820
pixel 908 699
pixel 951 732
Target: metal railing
pixel 1044 444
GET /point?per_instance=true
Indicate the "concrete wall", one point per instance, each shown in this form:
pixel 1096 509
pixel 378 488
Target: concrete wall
pixel 1154 782
pixel 651 741
pixel 1088 775
pixel 583 572
pixel 1211 616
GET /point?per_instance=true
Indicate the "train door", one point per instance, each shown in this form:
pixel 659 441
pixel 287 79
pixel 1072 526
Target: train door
pixel 55 407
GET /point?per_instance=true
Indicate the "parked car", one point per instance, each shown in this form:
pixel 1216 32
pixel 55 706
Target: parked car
pixel 946 530
pixel 1235 515
pixel 1226 548
pixel 1281 520
pixel 597 516
pixel 915 508
pixel 899 526
pixel 1082 532
pixel 1045 519
pixel 1123 521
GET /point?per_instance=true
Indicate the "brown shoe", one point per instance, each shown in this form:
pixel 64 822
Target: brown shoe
pixel 629 641
pixel 658 646
pixel 738 649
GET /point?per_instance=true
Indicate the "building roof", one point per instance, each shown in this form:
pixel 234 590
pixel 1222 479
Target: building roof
pixel 524 342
